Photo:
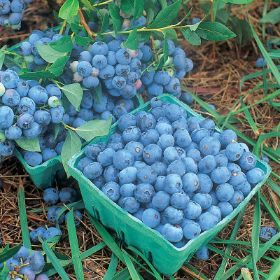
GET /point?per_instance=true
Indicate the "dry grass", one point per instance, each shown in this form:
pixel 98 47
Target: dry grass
pixel 216 78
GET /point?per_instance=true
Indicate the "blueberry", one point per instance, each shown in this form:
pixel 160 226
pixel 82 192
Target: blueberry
pixel 50 196
pixel 91 82
pixel 67 195
pixel 205 183
pixel 207 124
pixel 110 174
pixel 187 98
pixel 84 69
pixel 53 90
pixel 176 167
pixel 11 98
pixel 190 182
pixel 132 133
pixel 48 153
pixel 147 53
pixel 105 158
pixel 9 79
pixel 144 193
pixel 42 117
pixel 22 253
pixel 160 183
pixel 172 233
pixel 57 114
pixel 85 56
pixel 166 140
pixel 174 87
pixel 135 148
pixel 233 168
pixel 203 199
pixel 247 161
pixel 226 208
pixel 164 128
pixel 179 200
pixel 99 182
pixel 234 151
pixel 207 164
pixel 203 253
pixel 244 187
pixel 267 232
pixel 139 214
pixel 111 58
pixel 52 232
pixel 146 175
pixel 224 192
pixel 130 204
pixel 13 133
pixel 122 70
pixel 37 261
pixel 214 197
pixel 191 229
pixel 170 154
pixel 260 62
pixel 159 168
pixel 6 117
pixel 198 134
pixel 126 121
pixel 209 146
pixel 173 183
pixel 221 160
pixel 207 221
pixel 255 175
pixel 111 190
pixel 127 175
pixel 6 148
pixel 27 272
pixel 151 217
pixel 237 178
pixel 237 198
pixel 152 153
pixel 127 190
pixel 36 234
pixel 215 210
pixel 114 45
pixel 148 77
pixel 38 94
pixel 42 277
pixel 92 151
pixel 123 159
pixel 146 122
pixel 160 200
pixel 123 56
pixel 193 123
pixel 139 164
pixel 220 175
pixel 33 158
pixel 192 210
pixel 93 170
pixel 87 100
pixel 99 47
pixel 190 164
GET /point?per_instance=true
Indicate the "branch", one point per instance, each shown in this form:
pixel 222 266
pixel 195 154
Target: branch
pixel 85 25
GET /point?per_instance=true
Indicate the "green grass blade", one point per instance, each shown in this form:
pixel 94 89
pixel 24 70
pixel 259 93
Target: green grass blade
pixel 108 239
pixel 196 271
pixel 122 275
pixel 223 265
pixel 23 218
pixel 137 252
pixel 255 235
pixel 111 271
pixel 245 272
pixel 271 212
pixel 7 253
pixel 266 56
pixel 274 273
pixel 92 250
pixel 74 245
pixel 55 261
pixel 249 118
pixel 132 270
pixel 274 186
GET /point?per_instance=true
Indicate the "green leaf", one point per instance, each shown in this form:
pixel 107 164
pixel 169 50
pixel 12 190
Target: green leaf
pixel 272 17
pixel 74 245
pixel 31 145
pixel 115 16
pixel 191 37
pixel 69 9
pixel 2 58
pixel 74 94
pixel 132 270
pixel 127 6
pixel 132 40
pixel 238 1
pixel 36 75
pixel 94 128
pixel 23 218
pixel 48 53
pixel 71 146
pixel 55 261
pixel 88 5
pixel 214 31
pixel 112 268
pixel 138 8
pixel 8 253
pixel 58 66
pixel 255 236
pixel 105 20
pixel 82 41
pixel 274 272
pixel 64 44
pixel 166 16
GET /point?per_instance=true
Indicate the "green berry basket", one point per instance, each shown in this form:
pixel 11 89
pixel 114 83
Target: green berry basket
pixel 44 174
pixel 165 257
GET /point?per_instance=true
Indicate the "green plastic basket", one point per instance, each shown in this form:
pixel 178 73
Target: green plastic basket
pixel 43 175
pixel 165 257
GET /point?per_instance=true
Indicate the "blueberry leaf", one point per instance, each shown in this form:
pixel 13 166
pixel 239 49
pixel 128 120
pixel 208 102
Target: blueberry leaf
pixel 71 146
pixel 69 9
pixel 132 40
pixel 214 31
pixel 2 58
pixel 238 1
pixel 8 253
pixel 64 44
pixel 138 9
pixel 115 16
pixel 48 53
pixel 94 128
pixel 57 67
pixel 191 37
pixel 74 94
pixel 31 145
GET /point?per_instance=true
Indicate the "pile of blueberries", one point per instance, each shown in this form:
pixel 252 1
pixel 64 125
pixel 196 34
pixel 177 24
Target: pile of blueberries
pixel 26 264
pixel 172 171
pixel 11 12
pixel 27 110
pixel 55 198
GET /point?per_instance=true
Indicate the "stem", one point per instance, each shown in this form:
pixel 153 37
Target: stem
pixel 85 25
pixel 102 3
pixel 62 27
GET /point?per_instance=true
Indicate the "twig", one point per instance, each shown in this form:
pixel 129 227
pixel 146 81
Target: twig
pixel 185 269
pixel 85 25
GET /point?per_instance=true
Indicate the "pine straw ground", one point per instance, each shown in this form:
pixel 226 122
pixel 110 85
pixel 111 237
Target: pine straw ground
pixel 219 68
